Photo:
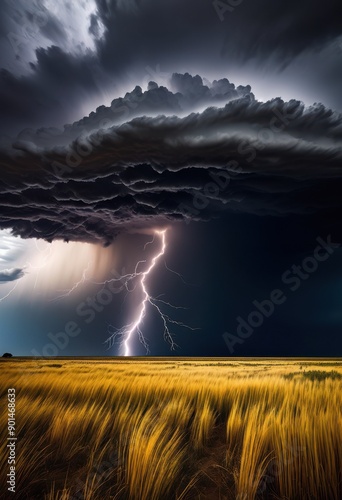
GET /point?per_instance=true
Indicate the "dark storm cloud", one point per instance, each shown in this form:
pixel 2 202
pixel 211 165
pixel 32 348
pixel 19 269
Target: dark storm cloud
pixel 251 36
pixel 33 98
pixel 265 28
pixel 53 29
pixel 188 93
pixel 47 74
pixel 248 29
pixel 7 275
pixel 155 32
pixel 274 158
pixel 133 37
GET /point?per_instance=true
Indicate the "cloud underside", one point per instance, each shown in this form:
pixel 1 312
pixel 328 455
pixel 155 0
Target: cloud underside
pixel 57 56
pixel 8 275
pixel 100 177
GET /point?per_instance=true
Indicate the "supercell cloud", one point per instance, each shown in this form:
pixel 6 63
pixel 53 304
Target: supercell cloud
pixel 119 117
pixel 179 147
pixel 183 152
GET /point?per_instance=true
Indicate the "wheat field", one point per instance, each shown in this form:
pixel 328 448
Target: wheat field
pixel 175 428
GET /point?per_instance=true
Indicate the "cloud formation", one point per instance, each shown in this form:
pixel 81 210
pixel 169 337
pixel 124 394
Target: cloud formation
pixel 8 275
pixel 58 58
pixel 95 178
pixel 186 93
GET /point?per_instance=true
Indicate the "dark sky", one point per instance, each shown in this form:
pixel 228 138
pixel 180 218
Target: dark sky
pixel 218 121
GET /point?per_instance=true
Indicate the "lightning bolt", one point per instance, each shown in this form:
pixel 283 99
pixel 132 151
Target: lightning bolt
pixel 147 298
pixel 130 281
pixel 84 278
pixel 9 293
pixel 44 256
pixel 126 333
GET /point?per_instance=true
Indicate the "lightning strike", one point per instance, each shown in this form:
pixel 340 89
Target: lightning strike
pixel 9 293
pixel 126 333
pixel 131 281
pixel 76 285
pixel 44 255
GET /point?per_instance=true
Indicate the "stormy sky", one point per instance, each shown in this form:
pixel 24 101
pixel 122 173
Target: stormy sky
pixel 219 121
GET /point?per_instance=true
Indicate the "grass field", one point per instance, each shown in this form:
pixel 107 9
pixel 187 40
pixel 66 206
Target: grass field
pixel 176 428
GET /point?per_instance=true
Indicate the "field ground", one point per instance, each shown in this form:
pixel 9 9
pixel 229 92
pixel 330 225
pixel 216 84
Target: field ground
pixel 174 428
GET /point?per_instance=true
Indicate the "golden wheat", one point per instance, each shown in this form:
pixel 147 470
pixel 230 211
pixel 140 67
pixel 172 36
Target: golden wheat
pixel 175 429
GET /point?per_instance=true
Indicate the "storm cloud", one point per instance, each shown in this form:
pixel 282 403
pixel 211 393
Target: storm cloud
pixel 219 121
pixel 273 158
pixel 58 60
pixel 8 275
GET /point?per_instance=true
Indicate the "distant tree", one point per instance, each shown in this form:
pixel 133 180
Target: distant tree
pixel 7 355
